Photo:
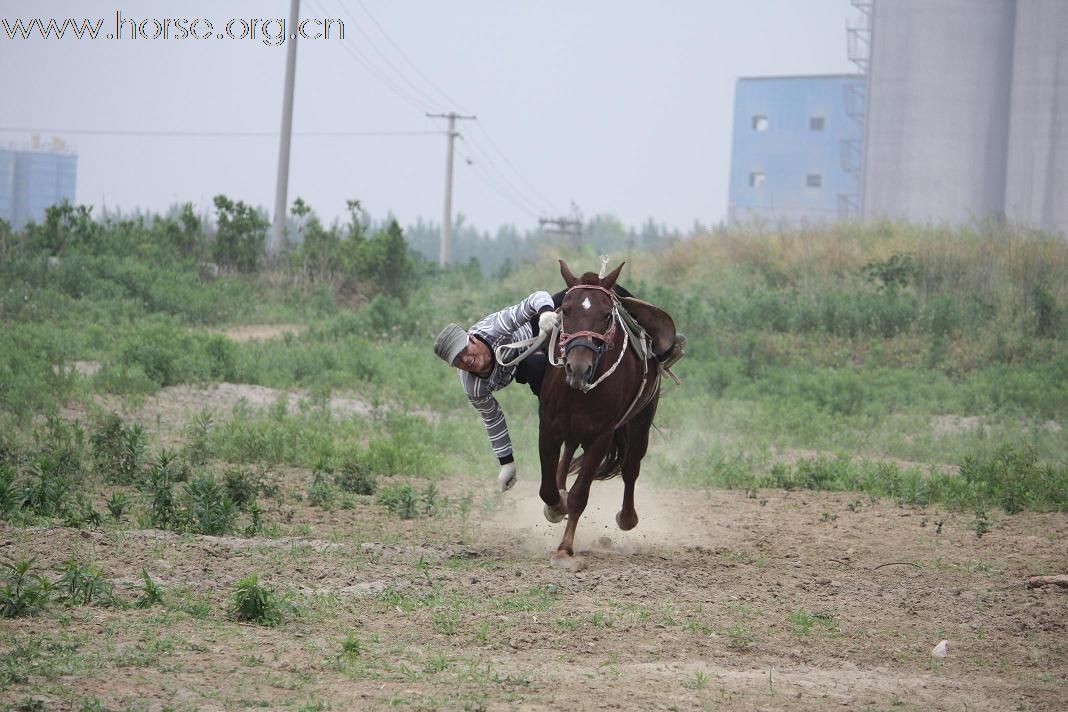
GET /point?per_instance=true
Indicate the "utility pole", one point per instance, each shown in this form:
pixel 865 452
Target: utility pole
pixel 569 227
pixel 446 227
pixel 278 228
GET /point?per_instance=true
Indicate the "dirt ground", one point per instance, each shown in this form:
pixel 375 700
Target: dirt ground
pixel 718 600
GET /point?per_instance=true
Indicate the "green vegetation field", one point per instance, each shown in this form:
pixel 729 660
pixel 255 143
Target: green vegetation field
pixel 901 366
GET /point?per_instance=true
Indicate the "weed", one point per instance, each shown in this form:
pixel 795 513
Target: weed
pixel 255 514
pixel 84 584
pixel 197 432
pixel 323 492
pixel 429 500
pixel 802 622
pixel 437 662
pixel 8 496
pixel 356 478
pixel 118 450
pixel 84 516
pixel 351 646
pixel 207 508
pixel 566 623
pixel 117 504
pixel 981 524
pixel 698 681
pixel 23 593
pixel 400 500
pixel 741 636
pixel 256 604
pixel 151 593
pixel 446 622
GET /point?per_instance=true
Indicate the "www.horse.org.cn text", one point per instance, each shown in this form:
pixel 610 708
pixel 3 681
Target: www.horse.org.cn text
pixel 271 31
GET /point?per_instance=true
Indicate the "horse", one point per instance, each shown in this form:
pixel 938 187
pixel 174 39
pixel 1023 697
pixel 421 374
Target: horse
pixel 601 395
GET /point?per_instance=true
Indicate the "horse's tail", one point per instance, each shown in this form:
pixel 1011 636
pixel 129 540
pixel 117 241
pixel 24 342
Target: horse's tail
pixel 612 464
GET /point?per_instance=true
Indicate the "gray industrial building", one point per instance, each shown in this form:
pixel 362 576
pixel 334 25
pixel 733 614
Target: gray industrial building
pixel 966 111
pixel 33 179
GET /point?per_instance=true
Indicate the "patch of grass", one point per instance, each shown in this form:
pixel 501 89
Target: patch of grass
pixel 534 599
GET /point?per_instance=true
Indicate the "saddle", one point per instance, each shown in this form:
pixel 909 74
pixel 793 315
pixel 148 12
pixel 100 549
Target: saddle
pixel 656 322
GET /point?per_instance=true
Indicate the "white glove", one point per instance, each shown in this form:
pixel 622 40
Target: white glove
pixel 506 480
pixel 548 321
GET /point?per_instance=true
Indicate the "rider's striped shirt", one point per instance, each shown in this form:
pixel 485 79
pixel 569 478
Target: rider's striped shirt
pixel 504 327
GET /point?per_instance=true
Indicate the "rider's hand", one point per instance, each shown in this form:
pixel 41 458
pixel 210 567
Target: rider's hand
pixel 506 480
pixel 548 321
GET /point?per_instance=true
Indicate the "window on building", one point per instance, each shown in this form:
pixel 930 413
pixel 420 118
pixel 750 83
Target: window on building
pixel 756 179
pixel 814 180
pixel 760 122
pixel 815 123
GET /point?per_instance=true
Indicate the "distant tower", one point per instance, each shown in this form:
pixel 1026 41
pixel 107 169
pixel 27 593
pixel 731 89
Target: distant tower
pixel 33 180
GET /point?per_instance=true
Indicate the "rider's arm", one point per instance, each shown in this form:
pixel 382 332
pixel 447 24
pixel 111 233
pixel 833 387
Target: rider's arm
pixel 507 321
pixel 481 397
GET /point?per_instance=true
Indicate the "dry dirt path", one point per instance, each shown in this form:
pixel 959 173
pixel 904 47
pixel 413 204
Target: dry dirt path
pixel 717 600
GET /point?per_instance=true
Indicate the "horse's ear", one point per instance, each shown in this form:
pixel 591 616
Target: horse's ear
pixel 609 280
pixel 569 279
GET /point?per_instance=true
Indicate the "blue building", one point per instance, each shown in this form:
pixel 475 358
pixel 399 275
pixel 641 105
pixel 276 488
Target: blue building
pixel 796 150
pixel 33 180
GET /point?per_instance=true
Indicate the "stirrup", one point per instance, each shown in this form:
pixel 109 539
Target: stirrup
pixel 674 354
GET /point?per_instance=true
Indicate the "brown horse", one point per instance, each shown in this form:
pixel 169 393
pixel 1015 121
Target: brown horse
pixel 602 398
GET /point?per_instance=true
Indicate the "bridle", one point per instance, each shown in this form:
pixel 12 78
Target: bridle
pixel 563 342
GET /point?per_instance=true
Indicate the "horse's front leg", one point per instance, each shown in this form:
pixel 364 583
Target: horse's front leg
pixel 564 466
pixel 577 499
pixel 549 452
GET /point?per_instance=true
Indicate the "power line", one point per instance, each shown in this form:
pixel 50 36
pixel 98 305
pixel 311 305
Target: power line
pixel 515 170
pixel 485 158
pixel 482 177
pixel 214 134
pixel 418 92
pixel 356 55
pixel 448 99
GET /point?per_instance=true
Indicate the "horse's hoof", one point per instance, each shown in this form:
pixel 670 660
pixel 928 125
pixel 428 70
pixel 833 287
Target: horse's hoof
pixel 552 515
pixel 626 524
pixel 567 562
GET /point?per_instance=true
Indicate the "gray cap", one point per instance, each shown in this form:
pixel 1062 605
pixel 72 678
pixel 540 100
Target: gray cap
pixel 450 342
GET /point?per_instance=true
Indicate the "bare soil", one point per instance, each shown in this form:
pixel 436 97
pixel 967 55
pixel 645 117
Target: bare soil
pixel 718 600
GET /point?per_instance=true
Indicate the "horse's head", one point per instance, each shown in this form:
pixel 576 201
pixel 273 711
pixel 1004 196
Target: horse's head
pixel 587 323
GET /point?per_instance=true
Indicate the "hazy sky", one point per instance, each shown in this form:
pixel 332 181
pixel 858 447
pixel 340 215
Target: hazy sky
pixel 622 106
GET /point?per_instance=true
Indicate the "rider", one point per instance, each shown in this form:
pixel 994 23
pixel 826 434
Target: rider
pixel 472 351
